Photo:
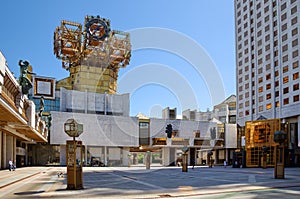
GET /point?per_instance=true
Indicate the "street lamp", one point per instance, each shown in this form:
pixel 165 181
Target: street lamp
pixel 210 154
pixel 74 167
pixel 73 128
pixel 279 137
pixel 184 149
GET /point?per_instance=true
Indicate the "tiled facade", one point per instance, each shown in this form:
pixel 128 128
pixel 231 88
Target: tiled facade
pixel 267 59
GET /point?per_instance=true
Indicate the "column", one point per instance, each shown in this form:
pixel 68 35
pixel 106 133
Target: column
pixel 298 141
pixel 4 160
pixel 1 150
pixel 26 154
pixel 85 155
pixel 105 155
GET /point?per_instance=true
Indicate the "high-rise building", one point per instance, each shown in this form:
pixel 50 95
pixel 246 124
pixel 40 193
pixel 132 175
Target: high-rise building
pixel 267 67
pixel 267 60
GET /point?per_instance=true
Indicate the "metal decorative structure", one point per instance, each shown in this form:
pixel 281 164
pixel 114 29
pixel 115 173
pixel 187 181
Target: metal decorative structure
pixel 74 46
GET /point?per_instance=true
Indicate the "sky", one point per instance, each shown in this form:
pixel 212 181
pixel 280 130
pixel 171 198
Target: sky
pixel 183 52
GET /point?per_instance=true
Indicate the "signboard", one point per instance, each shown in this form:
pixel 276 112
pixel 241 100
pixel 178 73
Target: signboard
pixel 44 86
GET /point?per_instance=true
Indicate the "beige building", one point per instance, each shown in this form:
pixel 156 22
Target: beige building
pixel 20 127
pixel 224 115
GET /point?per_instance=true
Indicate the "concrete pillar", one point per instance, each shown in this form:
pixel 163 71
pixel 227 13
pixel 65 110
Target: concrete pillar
pixel 85 155
pixel 9 148
pixel 148 159
pixel 1 150
pixel 105 155
pixel 26 154
pixel 298 144
pixel 165 156
pixel 14 150
pixel 4 159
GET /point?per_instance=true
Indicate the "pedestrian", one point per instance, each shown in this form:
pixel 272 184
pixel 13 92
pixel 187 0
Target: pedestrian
pixel 225 163
pixel 10 164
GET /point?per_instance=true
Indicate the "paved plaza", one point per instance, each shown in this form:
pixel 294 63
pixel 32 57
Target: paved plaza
pixel 158 182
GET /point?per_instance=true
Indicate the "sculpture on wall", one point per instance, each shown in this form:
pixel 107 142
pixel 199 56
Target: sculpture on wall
pixel 42 105
pixel 23 79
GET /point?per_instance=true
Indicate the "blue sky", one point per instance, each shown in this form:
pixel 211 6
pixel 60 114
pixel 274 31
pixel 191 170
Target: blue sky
pixel 27 33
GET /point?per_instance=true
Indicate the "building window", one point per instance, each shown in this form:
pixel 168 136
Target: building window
pixel 260 70
pixel 260 108
pixel 296 87
pixel 268 96
pixel 294 10
pixel 268 76
pixel 296 98
pixel 268 86
pixel 295 53
pixel 247 86
pixel 240 114
pixel 283 17
pixel 285 47
pixel 246 103
pixel 285 69
pixel 267 28
pixel 284 37
pixel 296 76
pixel 240 88
pixel 294 31
pixel 260 89
pixel 295 64
pixel 277 104
pixel 241 105
pixel 294 42
pixel 276 73
pixel 283 27
pixel 247 95
pixel 268 67
pixel 283 6
pixel 286 79
pixel 285 58
pixel 267 18
pixel 260 80
pixel 294 21
pixel 285 101
pixel 269 106
pixel 286 90
pixel 276 93
pixel 261 98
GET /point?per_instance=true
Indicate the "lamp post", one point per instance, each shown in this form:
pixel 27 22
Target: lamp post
pixel 210 154
pixel 279 137
pixel 184 149
pixel 74 167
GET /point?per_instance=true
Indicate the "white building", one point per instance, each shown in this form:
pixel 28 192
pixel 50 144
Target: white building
pixel 116 139
pixel 267 59
pixel 267 66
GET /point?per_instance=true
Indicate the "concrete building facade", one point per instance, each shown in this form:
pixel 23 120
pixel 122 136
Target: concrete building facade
pixel 21 128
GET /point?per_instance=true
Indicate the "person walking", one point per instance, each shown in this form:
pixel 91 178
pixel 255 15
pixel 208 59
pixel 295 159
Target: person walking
pixel 10 164
pixel 225 163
